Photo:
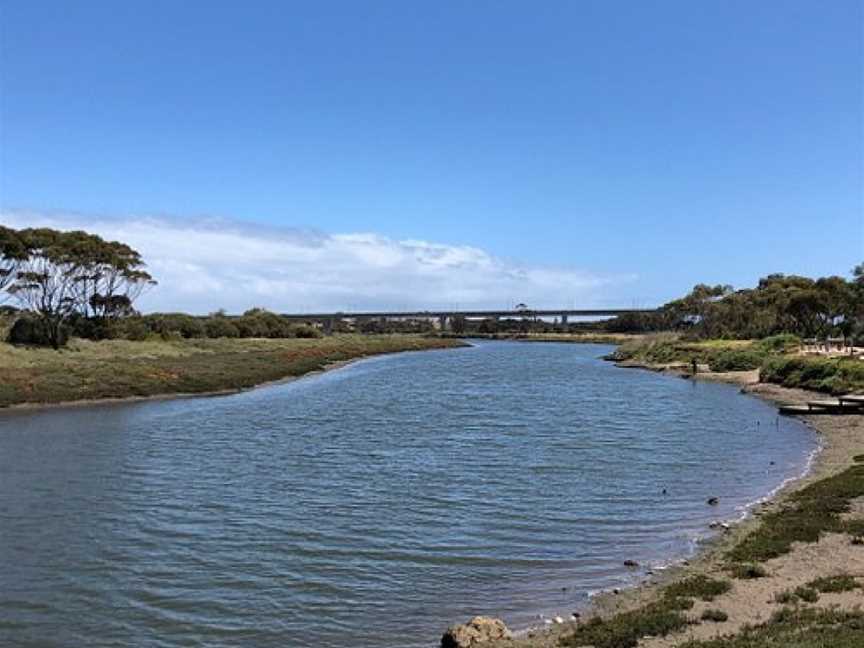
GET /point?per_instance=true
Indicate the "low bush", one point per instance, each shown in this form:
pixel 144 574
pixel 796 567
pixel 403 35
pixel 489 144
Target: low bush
pixel 34 331
pixel 838 583
pixel 795 627
pixel 700 586
pixel 812 511
pixel 831 375
pixel 718 616
pixel 656 619
pixel 220 327
pixel 748 571
pixel 778 344
pixel 736 360
pixel 170 325
pixel 807 594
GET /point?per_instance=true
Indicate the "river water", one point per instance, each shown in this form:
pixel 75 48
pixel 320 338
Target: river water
pixel 372 505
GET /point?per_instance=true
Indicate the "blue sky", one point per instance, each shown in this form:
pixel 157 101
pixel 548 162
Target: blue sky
pixel 628 150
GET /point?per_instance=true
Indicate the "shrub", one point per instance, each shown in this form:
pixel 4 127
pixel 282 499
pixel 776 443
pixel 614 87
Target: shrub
pixel 814 510
pixel 170 325
pixel 261 323
pixel 832 375
pixel 306 331
pixel 807 594
pixel 839 583
pixel 783 343
pixel 736 360
pixel 220 327
pixel 785 597
pixel 34 331
pixel 700 586
pixel 748 571
pixel 718 616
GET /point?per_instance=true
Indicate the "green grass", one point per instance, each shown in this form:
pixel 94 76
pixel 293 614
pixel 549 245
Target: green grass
pixel 795 628
pixel 657 619
pixel 809 513
pixel 121 368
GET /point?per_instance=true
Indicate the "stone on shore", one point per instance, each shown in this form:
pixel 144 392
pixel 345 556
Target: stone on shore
pixel 477 631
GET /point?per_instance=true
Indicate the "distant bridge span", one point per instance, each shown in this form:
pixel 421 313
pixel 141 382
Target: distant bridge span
pixel 543 312
pixel 329 319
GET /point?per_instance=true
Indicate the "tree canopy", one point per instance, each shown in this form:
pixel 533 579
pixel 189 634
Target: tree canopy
pixel 57 275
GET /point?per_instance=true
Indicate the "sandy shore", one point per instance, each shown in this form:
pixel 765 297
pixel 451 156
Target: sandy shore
pixel 749 601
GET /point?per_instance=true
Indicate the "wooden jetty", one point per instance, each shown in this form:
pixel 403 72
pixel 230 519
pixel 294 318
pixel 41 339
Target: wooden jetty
pixel 849 404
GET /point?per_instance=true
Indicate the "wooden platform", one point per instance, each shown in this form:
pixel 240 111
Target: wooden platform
pixel 849 404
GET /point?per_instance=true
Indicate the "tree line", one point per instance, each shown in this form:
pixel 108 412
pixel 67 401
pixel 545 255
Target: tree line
pixel 75 283
pixel 809 308
pixel 60 276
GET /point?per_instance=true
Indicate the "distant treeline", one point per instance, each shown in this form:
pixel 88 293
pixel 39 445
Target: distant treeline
pixel 62 284
pixel 808 308
pixel 779 304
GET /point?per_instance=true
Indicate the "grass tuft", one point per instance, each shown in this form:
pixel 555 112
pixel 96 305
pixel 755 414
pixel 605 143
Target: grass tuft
pixel 655 619
pixel 838 583
pixel 700 586
pixel 718 616
pixel 748 571
pixel 795 628
pixel 812 511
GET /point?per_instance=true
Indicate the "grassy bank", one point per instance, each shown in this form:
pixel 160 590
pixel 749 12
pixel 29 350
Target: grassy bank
pixel 719 355
pixel 776 358
pixel 88 370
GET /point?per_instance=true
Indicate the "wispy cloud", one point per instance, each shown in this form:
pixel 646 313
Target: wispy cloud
pixel 205 264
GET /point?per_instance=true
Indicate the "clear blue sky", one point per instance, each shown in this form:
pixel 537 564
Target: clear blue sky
pixel 680 141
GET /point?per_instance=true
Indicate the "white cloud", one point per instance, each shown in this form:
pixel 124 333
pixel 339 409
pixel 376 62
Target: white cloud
pixel 205 264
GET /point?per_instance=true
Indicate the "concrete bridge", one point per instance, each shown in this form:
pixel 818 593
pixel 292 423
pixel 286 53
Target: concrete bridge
pixel 328 320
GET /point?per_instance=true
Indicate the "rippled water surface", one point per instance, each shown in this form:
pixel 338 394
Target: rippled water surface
pixel 372 505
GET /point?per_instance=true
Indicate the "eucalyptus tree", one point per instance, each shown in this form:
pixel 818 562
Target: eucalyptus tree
pixel 62 274
pixel 12 253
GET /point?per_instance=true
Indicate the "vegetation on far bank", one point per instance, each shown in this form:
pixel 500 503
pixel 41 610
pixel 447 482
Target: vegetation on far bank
pixel 86 370
pixel 777 358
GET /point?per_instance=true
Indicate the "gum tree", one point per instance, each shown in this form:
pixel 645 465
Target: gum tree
pixel 62 274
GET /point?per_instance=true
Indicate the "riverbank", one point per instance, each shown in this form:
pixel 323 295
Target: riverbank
pixel 112 370
pixel 794 567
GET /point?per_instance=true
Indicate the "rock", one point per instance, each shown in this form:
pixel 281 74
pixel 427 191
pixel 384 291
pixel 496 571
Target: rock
pixel 713 501
pixel 558 620
pixel 631 563
pixel 477 631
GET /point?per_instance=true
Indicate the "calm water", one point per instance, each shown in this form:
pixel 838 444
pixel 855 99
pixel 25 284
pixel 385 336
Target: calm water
pixel 370 506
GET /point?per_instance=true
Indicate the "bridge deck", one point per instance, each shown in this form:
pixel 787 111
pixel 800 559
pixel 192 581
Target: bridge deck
pixel 546 312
